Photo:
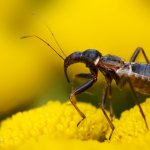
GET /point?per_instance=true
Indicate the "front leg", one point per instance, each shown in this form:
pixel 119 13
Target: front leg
pixel 78 90
pixel 83 76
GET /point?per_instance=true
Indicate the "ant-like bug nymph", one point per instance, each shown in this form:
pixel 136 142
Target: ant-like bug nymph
pixel 137 75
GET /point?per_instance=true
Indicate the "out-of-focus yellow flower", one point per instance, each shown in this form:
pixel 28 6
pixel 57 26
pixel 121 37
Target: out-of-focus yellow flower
pixel 115 27
pixel 73 144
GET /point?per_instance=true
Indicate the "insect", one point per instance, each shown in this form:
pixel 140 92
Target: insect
pixel 137 75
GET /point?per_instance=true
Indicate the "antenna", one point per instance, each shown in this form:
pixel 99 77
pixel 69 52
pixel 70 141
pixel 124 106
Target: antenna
pixel 28 36
pixel 55 40
pixel 50 31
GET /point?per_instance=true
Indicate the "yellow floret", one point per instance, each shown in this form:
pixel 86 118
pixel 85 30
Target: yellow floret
pixel 54 126
pixel 131 128
pixel 57 120
pixel 46 143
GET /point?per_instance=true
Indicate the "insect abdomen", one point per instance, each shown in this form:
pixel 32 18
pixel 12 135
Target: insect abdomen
pixel 140 83
pixel 140 78
pixel 141 69
pixel 139 75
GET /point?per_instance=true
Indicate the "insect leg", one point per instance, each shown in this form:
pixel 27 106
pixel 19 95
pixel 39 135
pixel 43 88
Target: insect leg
pixel 103 106
pixel 81 75
pixel 136 53
pixel 110 102
pixel 137 102
pixel 78 90
pixel 84 75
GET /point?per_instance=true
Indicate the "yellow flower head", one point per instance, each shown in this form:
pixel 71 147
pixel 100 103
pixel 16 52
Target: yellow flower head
pixel 56 120
pixel 131 126
pixel 54 126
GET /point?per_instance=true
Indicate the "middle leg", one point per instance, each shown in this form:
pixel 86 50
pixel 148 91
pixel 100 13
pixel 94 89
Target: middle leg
pixel 103 100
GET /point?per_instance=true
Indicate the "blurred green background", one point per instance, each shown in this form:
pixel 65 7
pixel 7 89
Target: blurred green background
pixel 31 74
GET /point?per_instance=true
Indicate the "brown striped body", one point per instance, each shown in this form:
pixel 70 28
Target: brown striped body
pixel 139 75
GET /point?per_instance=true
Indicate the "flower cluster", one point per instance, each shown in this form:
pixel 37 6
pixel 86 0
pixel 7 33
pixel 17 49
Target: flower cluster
pixel 55 126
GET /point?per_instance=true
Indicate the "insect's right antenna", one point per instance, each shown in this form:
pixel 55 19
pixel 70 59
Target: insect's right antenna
pixel 50 31
pixel 28 36
pixel 55 40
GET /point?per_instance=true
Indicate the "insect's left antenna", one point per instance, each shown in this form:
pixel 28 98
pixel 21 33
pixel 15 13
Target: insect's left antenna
pixel 28 36
pixel 55 40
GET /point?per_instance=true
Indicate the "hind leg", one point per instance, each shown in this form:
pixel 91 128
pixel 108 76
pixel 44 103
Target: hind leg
pixel 136 53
